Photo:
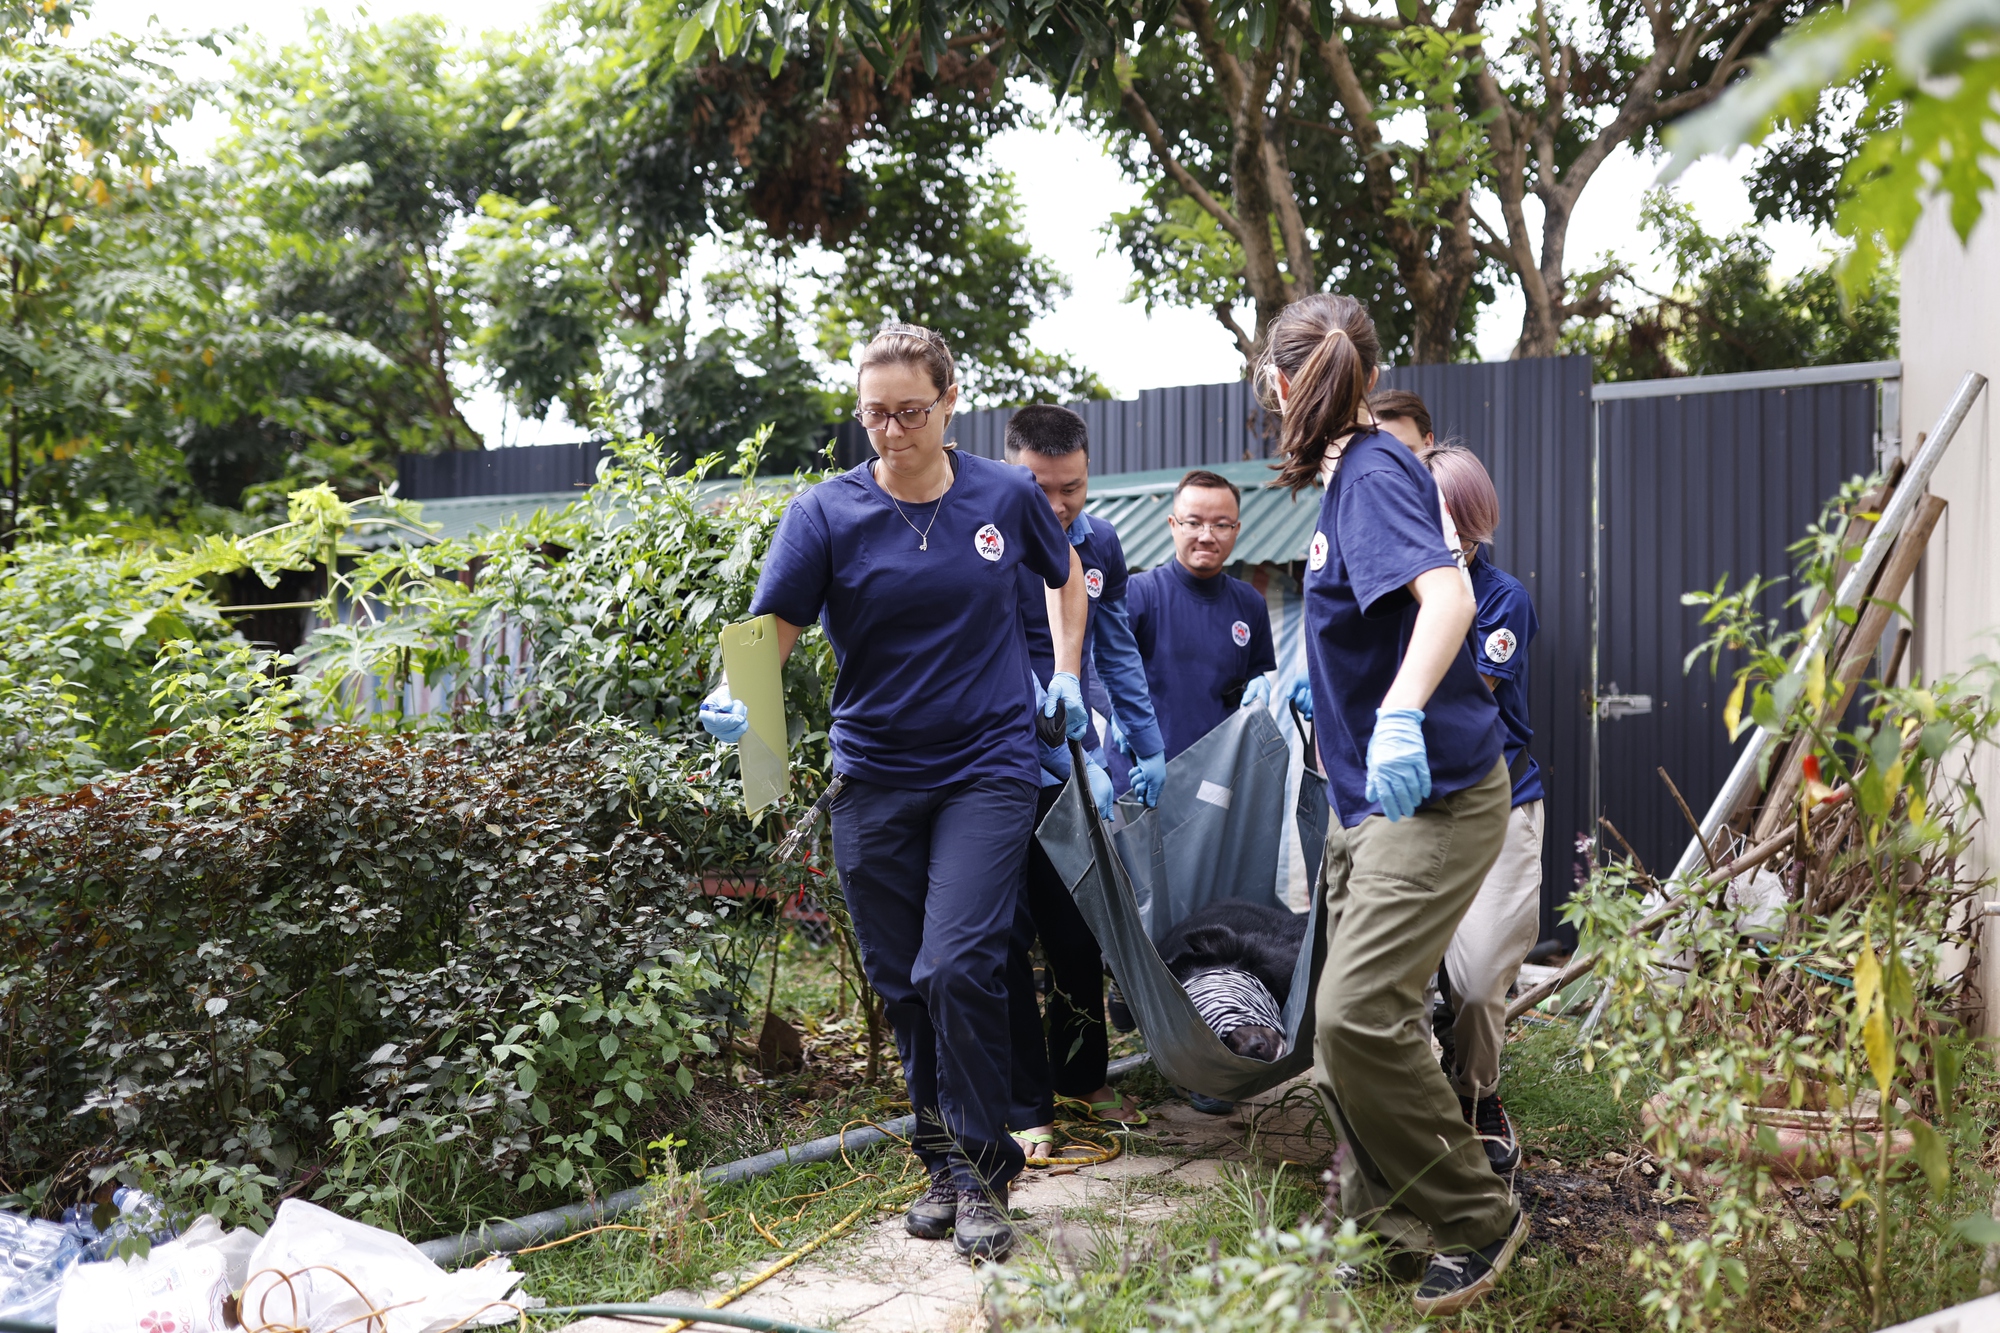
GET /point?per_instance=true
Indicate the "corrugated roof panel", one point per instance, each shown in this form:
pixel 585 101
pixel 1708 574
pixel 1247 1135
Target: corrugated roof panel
pixel 1276 528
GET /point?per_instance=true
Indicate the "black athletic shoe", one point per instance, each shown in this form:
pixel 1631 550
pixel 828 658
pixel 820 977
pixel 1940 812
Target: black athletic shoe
pixel 1118 1011
pixel 983 1229
pixel 1496 1131
pixel 935 1210
pixel 1454 1281
pixel 1210 1105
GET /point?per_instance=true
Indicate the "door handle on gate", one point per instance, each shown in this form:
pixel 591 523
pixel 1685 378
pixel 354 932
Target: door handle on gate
pixel 1612 704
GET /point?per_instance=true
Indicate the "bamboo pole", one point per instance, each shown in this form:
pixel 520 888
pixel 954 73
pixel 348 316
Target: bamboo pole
pixel 1862 646
pixel 1743 778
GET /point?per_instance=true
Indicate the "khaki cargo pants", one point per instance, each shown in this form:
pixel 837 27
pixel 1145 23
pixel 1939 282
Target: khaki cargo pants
pixel 1394 893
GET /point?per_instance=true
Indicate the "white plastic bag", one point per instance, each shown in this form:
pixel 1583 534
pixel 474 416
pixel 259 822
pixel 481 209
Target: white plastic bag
pixel 319 1271
pixel 176 1289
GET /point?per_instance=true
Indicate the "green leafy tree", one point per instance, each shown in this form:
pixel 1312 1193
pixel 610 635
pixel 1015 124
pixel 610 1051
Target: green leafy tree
pixel 830 186
pixel 1724 312
pixel 1521 103
pixel 81 143
pixel 362 149
pixel 941 246
pixel 1918 78
pixel 131 343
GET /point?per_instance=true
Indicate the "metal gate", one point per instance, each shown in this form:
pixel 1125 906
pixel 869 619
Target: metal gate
pixel 1529 422
pixel 1697 480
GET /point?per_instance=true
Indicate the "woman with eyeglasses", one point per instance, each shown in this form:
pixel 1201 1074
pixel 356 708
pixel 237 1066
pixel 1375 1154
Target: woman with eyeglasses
pixel 910 563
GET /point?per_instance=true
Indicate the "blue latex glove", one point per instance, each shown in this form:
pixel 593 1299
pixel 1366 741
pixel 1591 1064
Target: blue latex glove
pixel 1100 788
pixel 1118 741
pixel 1301 693
pixel 1149 777
pixel 1399 768
pixel 724 718
pixel 1257 694
pixel 1064 687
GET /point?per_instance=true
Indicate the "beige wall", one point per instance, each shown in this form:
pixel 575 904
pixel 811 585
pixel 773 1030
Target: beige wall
pixel 1951 324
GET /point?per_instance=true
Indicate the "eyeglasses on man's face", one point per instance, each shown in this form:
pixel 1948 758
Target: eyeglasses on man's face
pixel 912 418
pixel 1221 528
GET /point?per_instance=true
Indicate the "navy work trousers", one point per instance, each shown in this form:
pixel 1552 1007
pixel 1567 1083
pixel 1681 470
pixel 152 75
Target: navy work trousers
pixel 933 882
pixel 1070 1057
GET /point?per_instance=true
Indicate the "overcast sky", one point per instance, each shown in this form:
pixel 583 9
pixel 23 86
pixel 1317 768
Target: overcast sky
pixel 1068 188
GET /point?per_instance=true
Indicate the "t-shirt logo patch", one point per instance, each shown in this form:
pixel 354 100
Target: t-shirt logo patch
pixel 989 543
pixel 1240 632
pixel 1316 558
pixel 1093 583
pixel 1500 645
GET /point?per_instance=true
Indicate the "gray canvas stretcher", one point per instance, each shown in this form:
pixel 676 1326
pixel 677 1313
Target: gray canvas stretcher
pixel 1215 834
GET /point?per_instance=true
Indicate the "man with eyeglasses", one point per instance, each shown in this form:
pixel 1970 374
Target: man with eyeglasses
pixel 1204 636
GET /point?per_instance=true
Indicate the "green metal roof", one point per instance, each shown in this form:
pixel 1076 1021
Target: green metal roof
pixel 462 516
pixel 1276 528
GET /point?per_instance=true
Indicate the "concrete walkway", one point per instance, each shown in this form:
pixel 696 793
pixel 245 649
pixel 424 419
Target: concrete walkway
pixel 880 1279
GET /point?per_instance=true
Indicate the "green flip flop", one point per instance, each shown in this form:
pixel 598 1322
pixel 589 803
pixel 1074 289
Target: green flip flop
pixel 1033 1138
pixel 1096 1111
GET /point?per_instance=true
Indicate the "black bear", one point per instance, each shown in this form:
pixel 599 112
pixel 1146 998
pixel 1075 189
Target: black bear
pixel 1234 936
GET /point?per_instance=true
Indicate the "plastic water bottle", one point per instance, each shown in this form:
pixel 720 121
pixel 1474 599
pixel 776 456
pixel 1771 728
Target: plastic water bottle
pixel 34 1255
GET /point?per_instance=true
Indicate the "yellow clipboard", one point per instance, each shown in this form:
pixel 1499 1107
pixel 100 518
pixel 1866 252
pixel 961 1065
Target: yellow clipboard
pixel 756 676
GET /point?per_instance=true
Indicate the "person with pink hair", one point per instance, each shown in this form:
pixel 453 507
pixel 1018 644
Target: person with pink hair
pixel 1504 920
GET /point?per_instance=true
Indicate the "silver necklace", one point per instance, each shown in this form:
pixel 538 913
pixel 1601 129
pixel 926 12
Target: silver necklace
pixel 923 534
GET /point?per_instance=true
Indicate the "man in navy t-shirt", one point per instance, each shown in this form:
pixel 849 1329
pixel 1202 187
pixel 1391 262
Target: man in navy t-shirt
pixel 1205 636
pixel 1070 1058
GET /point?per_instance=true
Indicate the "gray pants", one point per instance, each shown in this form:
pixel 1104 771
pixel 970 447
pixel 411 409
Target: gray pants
pixel 1485 953
pixel 1394 894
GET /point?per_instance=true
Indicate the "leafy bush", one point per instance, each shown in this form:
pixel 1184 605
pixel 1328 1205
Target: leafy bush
pixel 81 621
pixel 1824 1031
pixel 220 953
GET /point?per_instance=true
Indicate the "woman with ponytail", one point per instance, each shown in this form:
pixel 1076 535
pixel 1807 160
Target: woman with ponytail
pixel 912 562
pixel 1410 740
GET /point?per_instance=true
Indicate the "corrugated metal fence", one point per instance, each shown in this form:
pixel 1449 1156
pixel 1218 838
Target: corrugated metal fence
pixel 1702 480
pixel 526 470
pixel 1615 499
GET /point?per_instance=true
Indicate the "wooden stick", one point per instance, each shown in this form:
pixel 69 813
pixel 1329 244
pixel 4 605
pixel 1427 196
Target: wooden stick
pixel 1896 657
pixel 1749 861
pixel 1631 855
pixel 1897 571
pixel 1707 852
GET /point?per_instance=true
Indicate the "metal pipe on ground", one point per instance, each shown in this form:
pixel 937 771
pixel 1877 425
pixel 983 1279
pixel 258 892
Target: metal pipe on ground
pixel 554 1223
pixel 691 1314
pixel 1743 778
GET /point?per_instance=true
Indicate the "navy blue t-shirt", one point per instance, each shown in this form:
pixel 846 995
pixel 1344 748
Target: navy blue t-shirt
pixel 1104 579
pixel 1202 641
pixel 1381 523
pixel 933 685
pixel 1501 631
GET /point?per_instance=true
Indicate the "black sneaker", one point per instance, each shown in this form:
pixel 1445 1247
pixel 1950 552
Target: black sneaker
pixel 1496 1131
pixel 1210 1105
pixel 1118 1011
pixel 935 1210
pixel 983 1229
pixel 1454 1281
